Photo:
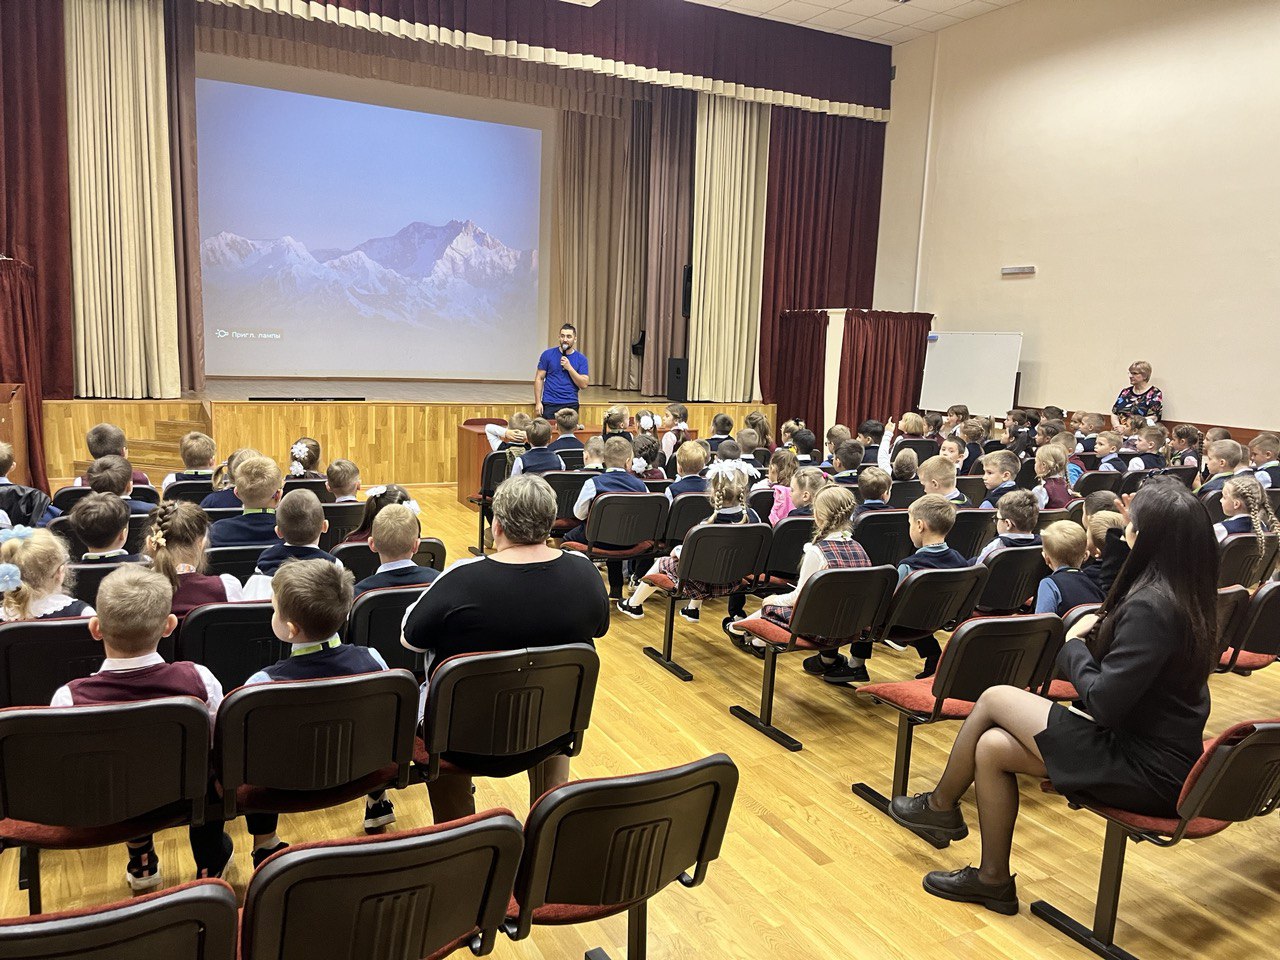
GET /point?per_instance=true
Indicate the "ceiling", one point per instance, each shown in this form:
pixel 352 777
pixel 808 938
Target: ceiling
pixel 884 21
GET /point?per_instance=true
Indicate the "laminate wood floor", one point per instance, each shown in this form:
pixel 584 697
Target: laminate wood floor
pixel 809 870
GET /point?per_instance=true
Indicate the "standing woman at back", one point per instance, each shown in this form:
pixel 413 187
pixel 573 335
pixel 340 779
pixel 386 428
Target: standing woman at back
pixel 1141 667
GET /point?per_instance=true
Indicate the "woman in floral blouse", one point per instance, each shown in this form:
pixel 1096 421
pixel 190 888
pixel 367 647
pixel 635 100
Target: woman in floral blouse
pixel 1140 398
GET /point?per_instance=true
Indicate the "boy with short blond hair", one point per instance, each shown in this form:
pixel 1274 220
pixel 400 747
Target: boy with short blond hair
pixel 132 616
pixel 342 479
pixel 691 460
pixel 1091 424
pixel 1147 445
pixel 258 483
pixel 1264 454
pixel 101 522
pixel 199 458
pixel 311 600
pixel 874 485
pixel 616 478
pixel 998 471
pixel 938 475
pixel 395 538
pixel 1107 445
pixel 566 424
pixel 593 455
pixel 931 518
pixel 1222 459
pixel 1065 549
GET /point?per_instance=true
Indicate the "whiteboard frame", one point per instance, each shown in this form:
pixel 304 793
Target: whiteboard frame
pixel 990 380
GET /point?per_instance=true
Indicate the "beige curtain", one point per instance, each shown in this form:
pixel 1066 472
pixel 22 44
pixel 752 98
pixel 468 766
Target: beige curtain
pixel 588 232
pixel 124 280
pixel 731 162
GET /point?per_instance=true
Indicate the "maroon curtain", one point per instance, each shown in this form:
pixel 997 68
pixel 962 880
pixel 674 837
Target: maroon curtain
pixel 803 353
pixel 822 220
pixel 20 359
pixel 881 365
pixel 35 216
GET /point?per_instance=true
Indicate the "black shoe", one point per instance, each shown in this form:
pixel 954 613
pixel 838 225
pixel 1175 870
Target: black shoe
pixel 634 611
pixel 816 665
pixel 143 871
pixel 930 668
pixel 916 815
pixel 692 614
pixel 847 673
pixel 261 853
pixel 963 886
pixel 378 814
pixel 739 640
pixel 219 866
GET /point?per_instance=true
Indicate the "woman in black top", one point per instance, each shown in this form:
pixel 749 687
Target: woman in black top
pixel 524 594
pixel 1141 668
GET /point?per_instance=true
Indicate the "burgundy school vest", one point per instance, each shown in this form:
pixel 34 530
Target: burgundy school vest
pixel 195 589
pixel 145 683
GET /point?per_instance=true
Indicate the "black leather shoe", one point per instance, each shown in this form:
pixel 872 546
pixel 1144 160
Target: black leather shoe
pixel 964 886
pixel 915 814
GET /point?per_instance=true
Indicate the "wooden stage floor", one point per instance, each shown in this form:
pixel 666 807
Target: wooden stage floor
pixel 808 870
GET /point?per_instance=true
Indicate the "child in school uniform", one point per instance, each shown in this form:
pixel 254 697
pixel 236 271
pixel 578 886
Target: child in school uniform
pixel 802 442
pixel 957 414
pixel 780 472
pixel 1091 424
pixel 748 442
pixel 1075 466
pixel 1247 510
pixel 593 455
pixel 938 476
pixel 24 505
pixel 675 429
pixel 299 523
pixel 199 456
pixel 566 424
pixel 538 458
pixel 870 435
pixel 1107 548
pixel 836 435
pixel 953 448
pixel 998 470
pixel 175 544
pixel 931 519
pixel 342 479
pixel 101 522
pixel 1107 446
pixel 34 578
pixel 1017 514
pixel 379 498
pixel 729 452
pixel 616 478
pixel 396 537
pixel 1052 492
pixel 874 485
pixel 132 618
pixel 311 600
pixel 759 422
pixel 1148 444
pixel 805 486
pixel 646 459
pixel 224 482
pixel 1222 458
pixel 846 461
pixel 304 459
pixel 258 485
pixel 1065 548
pixel 721 429
pixel 906 466
pixel 1264 454
pixel 108 440
pixel 728 501
pixel 911 426
pixel 512 435
pixel 691 460
pixel 114 475
pixel 1184 447
pixel 616 419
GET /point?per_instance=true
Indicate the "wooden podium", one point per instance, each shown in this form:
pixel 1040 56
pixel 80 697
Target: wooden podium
pixel 13 429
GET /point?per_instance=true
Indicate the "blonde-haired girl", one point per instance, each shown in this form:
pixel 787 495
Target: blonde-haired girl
pixel 832 548
pixel 910 426
pixel 34 577
pixel 1051 492
pixel 788 428
pixel 728 491
pixel 176 542
pixel 805 485
pixel 906 466
pixel 1247 510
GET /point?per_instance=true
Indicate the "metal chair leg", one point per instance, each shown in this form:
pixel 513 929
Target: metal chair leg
pixel 1100 939
pixel 638 931
pixel 478 549
pixel 668 643
pixel 901 776
pixel 29 877
pixel 764 722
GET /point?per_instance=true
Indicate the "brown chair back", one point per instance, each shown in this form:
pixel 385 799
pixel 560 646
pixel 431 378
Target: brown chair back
pixel 234 640
pixel 686 512
pixel 1241 562
pixel 930 600
pixel 1093 480
pixel 843 604
pixel 994 651
pixel 973 529
pixel 724 553
pixel 1014 574
pixel 375 621
pixel 625 519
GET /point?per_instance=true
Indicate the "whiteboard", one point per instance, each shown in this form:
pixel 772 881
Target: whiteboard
pixel 976 369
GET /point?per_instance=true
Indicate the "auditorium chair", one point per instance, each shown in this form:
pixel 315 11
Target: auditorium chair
pixel 761 456
pixel 984 652
pixel 573 458
pixel 1213 504
pixel 234 640
pixel 927 601
pixel 502 713
pixel 761 501
pixel 145 493
pixel 311 744
pixel 567 485
pixel 318 486
pixel 1026 478
pixel 834 608
pixel 1273 494
pixel 597 848
pixel 39 656
pixel 1092 480
pixel 239 561
pixel 1075 511
pixel 1014 574
pixel 188 491
pixel 87 577
pixel 786 553
pixel 1256 641
pixel 65 498
pixel 904 493
pixel 1090 460
pixel 1055 688
pixel 363 562
pixel 991 446
pixel 344 520
pixel 885 535
pixel 221 513
pixel 1187 475
pixel 1234 780
pixel 495 469
pixel 418 893
pixel 375 621
pixel 194 921
pixel 1131 480
pixel 657 486
pixel 923 448
pixel 974 528
pixel 1047 517
pixel 135 541
pixel 973 488
pixel 686 512
pixel 1241 561
pixel 623 526
pixel 716 554
pixel 106 774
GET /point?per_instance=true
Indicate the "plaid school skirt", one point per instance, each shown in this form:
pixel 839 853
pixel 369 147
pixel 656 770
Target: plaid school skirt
pixel 692 589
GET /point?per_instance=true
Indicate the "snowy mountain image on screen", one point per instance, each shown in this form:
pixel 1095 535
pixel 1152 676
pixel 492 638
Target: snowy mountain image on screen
pixel 426 277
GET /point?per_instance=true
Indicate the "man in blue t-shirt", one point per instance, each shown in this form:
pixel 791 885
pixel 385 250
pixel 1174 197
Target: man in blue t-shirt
pixel 562 372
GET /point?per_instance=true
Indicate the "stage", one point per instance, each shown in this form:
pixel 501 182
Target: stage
pixel 403 431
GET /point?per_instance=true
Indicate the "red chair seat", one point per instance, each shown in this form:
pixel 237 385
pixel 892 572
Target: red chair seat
pixel 779 636
pixel 77 838
pixel 916 696
pixel 625 553
pixel 1196 829
pixel 563 525
pixel 554 914
pixel 255 799
pixel 1063 690
pixel 661 581
pixel 1247 660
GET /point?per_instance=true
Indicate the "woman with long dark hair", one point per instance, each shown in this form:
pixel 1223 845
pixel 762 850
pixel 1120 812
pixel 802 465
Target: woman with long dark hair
pixel 1141 668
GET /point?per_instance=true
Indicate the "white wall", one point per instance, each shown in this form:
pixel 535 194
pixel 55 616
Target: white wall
pixel 1131 152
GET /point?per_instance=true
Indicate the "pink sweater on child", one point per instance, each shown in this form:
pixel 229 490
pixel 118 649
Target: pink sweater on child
pixel 781 503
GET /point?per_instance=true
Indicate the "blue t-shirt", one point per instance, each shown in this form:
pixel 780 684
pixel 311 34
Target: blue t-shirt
pixel 559 388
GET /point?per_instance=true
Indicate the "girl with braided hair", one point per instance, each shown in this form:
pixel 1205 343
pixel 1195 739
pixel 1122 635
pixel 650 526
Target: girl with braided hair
pixel 832 548
pixel 728 490
pixel 176 544
pixel 1247 510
